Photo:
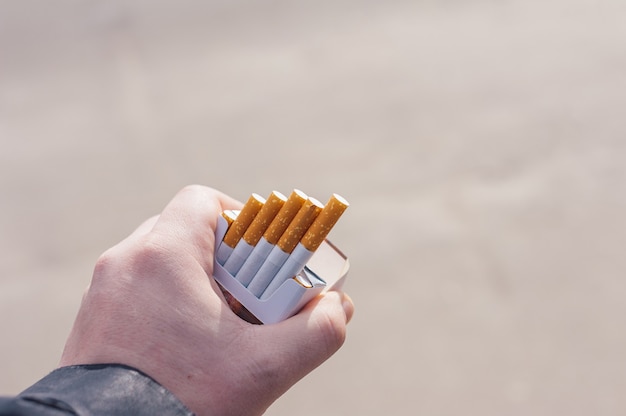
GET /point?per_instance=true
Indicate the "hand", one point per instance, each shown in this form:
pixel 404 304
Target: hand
pixel 152 305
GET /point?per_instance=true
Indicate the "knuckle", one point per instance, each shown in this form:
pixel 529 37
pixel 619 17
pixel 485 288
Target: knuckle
pixel 194 189
pixel 150 253
pixel 106 263
pixel 144 257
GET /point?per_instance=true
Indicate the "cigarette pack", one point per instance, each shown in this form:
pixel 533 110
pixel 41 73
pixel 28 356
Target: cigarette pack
pixel 326 270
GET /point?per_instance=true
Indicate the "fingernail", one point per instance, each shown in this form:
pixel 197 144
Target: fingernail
pixel 348 307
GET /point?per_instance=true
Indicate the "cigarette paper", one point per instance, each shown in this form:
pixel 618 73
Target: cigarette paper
pixel 253 233
pixel 250 209
pixel 254 261
pixel 238 256
pixel 266 273
pixel 291 267
pixel 287 242
pixel 223 253
pixel 312 239
pixel 271 236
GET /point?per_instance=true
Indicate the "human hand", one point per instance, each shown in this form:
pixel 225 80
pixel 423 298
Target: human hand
pixel 151 305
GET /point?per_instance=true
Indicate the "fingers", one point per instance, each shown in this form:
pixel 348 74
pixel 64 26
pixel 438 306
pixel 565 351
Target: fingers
pixel 324 322
pixel 144 228
pixel 186 224
pixel 194 211
pixel 180 213
pixel 189 220
pixel 309 338
pixel 348 307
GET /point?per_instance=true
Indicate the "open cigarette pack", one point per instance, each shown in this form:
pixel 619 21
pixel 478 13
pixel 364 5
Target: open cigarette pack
pixel 272 257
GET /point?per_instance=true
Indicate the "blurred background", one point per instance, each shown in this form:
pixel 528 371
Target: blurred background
pixel 481 144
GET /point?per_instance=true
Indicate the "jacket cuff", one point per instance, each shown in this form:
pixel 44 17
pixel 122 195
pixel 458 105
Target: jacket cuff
pixel 99 389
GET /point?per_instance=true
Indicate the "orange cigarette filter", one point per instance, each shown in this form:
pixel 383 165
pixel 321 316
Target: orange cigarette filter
pixel 324 222
pixel 300 224
pixel 263 219
pixel 250 209
pixel 230 216
pixel 284 217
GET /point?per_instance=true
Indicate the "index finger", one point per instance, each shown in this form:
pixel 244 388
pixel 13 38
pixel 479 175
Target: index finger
pixel 191 216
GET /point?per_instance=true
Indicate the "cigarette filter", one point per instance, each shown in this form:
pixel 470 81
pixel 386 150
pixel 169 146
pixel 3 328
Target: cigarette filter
pixel 230 216
pixel 314 236
pixel 264 218
pixel 271 236
pixel 250 209
pixel 254 232
pixel 287 242
pixel 324 222
pixel 284 217
pixel 300 224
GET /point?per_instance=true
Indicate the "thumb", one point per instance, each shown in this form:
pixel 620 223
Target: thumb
pixel 289 350
pixel 304 341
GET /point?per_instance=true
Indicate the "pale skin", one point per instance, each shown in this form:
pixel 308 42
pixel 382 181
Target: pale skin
pixel 152 305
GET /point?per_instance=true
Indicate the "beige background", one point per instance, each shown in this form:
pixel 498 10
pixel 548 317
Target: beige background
pixel 481 144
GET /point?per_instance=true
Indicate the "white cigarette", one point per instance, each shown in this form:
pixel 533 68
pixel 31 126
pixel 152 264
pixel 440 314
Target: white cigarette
pixel 238 257
pixel 292 266
pixel 254 261
pixel 268 270
pixel 223 251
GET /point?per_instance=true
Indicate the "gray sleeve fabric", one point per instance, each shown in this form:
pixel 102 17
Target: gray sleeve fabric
pixel 100 389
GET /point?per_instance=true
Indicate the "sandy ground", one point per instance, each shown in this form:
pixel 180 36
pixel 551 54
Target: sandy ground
pixel 480 143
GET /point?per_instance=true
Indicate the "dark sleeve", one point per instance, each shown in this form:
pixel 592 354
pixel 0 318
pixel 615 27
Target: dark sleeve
pixel 102 389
